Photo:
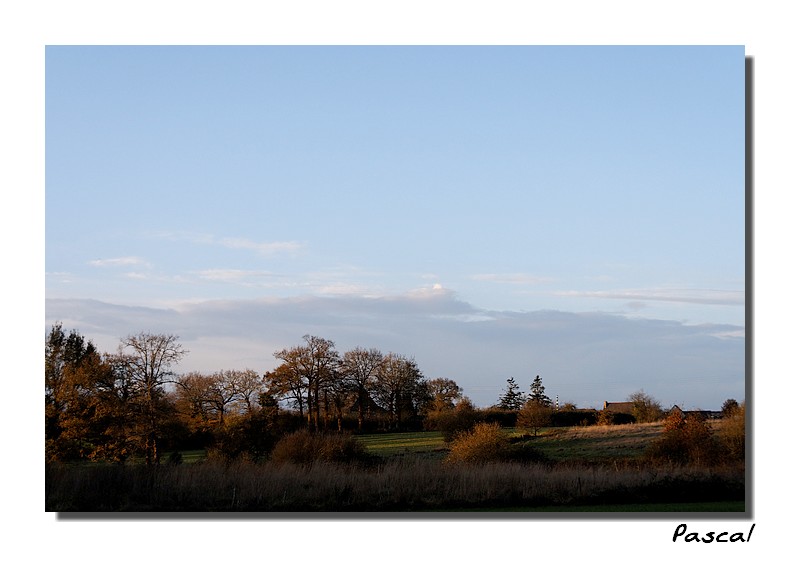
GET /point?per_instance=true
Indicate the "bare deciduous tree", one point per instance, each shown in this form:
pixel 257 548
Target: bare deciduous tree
pixel 149 359
pixel 316 362
pixel 360 369
pixel 645 408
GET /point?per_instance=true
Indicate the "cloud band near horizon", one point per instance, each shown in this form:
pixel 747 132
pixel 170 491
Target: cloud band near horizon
pixel 585 358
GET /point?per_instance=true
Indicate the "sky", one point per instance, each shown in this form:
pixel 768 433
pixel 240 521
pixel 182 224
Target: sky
pixel 576 213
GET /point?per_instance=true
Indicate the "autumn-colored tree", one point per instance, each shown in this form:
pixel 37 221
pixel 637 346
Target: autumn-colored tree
pixel 445 394
pixel 62 354
pixel 699 439
pixel 87 401
pixel 732 433
pixel 645 408
pixel 686 438
pixel 286 382
pixel 314 363
pixel 534 415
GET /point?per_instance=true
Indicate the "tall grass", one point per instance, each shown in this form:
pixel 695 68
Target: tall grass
pixel 397 485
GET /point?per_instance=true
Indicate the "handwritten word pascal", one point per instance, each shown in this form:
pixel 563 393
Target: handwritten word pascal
pixel 711 537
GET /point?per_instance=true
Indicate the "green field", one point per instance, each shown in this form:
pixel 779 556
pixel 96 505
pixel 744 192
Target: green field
pixel 595 443
pixel 417 443
pixel 559 444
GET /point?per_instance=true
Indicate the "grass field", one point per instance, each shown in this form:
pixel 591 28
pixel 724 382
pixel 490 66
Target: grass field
pixel 560 444
pixel 417 443
pixel 595 443
pixel 600 442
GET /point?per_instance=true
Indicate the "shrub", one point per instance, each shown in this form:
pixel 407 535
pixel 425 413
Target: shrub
pixel 732 434
pixel 243 437
pixel 685 440
pixel 573 418
pixel 486 442
pixel 674 420
pixel 458 420
pixel 607 417
pixel 526 452
pixel 503 417
pixel 305 447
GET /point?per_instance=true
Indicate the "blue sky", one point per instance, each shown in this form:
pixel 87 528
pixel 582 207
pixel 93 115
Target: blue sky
pixel 573 212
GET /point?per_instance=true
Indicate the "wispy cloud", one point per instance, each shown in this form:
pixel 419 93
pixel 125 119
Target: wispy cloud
pixel 264 248
pixel 137 275
pixel 697 296
pixel 123 261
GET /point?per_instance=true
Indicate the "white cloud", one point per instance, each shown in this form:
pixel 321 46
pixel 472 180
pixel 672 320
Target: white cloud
pixel 136 275
pixel 264 248
pixel 124 261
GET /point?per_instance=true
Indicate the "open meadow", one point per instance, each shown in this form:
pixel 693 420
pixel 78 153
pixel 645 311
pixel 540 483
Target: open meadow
pixel 600 442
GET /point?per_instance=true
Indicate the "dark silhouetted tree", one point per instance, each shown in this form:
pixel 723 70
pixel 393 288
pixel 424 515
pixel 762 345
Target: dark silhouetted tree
pixel 148 360
pixel 398 387
pixel 729 407
pixel 512 398
pixel 537 393
pixel 360 368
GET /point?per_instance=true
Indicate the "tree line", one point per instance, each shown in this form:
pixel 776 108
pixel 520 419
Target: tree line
pixel 132 403
pixel 101 406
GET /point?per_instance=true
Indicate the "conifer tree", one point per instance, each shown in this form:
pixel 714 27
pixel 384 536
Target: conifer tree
pixel 512 398
pixel 537 393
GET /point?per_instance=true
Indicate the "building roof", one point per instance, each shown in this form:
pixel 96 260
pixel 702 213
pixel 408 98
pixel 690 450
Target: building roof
pixel 619 407
pixel 705 414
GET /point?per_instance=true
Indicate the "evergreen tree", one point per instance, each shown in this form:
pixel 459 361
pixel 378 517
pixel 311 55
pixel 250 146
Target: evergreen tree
pixel 512 398
pixel 537 393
